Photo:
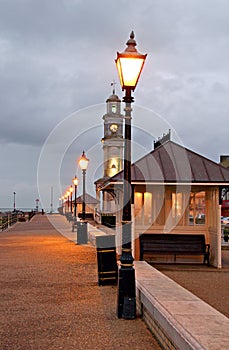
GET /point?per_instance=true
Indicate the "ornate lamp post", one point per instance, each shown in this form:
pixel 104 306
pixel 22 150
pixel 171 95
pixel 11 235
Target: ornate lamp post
pixel 62 204
pixel 37 203
pixel 14 201
pixel 68 195
pixel 66 203
pixel 75 183
pixel 83 163
pixel 71 190
pixel 129 65
pixel 82 227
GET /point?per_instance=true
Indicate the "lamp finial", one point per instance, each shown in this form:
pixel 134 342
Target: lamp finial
pixel 131 43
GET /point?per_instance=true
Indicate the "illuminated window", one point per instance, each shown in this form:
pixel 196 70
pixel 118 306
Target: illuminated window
pixel 197 208
pixel 147 208
pixel 177 207
pixel 180 208
pixel 138 204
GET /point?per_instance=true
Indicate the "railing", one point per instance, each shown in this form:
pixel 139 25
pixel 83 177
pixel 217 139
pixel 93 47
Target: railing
pixel 7 220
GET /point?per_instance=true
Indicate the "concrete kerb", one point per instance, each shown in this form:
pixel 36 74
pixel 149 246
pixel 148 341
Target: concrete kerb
pixel 177 318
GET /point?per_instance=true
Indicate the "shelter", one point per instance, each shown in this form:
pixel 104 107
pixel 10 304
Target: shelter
pixel 174 190
pixel 91 205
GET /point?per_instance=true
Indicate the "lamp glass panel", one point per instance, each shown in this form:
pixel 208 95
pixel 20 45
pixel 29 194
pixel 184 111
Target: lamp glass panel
pixel 130 69
pixel 83 163
pixel 75 181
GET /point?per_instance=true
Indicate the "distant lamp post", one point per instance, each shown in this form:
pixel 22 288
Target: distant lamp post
pixel 14 201
pixel 129 65
pixel 71 190
pixel 37 205
pixel 66 202
pixel 83 163
pixel 62 204
pixel 75 183
pixel 68 196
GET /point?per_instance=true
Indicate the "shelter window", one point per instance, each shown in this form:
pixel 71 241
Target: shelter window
pixel 178 208
pixel 197 208
pixel 147 208
pixel 138 204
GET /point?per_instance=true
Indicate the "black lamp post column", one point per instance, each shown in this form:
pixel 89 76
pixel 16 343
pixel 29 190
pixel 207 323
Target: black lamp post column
pixel 75 202
pixel 75 183
pixel 83 204
pixel 126 287
pixel 71 190
pixel 14 201
pixel 69 202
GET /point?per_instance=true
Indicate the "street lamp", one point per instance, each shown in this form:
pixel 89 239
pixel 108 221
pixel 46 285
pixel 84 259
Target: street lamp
pixel 68 195
pixel 14 201
pixel 83 163
pixel 82 227
pixel 66 203
pixel 62 204
pixel 71 190
pixel 129 65
pixel 75 183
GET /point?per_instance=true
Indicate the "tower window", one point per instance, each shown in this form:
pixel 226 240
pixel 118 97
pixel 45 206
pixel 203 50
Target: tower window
pixel 114 108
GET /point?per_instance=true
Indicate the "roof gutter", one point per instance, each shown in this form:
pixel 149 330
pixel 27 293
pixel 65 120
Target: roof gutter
pixel 167 183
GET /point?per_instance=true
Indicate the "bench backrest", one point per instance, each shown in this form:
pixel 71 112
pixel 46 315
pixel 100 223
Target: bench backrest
pixel 172 243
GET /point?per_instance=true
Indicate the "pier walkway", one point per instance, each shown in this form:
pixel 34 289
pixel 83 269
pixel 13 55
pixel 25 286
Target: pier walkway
pixel 50 298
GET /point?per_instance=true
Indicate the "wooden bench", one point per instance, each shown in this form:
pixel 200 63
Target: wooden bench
pixel 174 244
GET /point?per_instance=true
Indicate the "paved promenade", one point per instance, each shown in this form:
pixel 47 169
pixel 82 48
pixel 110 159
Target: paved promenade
pixel 49 296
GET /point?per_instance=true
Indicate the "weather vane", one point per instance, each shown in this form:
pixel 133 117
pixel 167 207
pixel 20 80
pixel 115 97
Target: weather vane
pixel 113 84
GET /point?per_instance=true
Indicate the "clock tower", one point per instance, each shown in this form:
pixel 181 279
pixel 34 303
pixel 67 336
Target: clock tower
pixel 113 142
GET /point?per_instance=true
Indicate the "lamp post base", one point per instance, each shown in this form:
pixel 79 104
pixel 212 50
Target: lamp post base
pixel 126 293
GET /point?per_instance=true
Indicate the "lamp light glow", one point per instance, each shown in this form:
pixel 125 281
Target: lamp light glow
pixel 83 162
pixel 75 181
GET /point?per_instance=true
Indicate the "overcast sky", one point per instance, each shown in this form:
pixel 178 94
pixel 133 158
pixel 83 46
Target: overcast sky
pixel 57 60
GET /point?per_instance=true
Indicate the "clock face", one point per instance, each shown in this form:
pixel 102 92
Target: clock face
pixel 113 128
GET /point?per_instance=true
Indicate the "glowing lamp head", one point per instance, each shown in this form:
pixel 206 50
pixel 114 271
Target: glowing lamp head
pixel 71 189
pixel 75 181
pixel 129 64
pixel 83 162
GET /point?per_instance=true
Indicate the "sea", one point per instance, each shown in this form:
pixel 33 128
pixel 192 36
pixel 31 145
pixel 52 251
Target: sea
pixel 6 210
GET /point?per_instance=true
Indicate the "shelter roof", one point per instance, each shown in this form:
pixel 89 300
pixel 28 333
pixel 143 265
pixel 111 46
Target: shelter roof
pixel 173 163
pixel 88 199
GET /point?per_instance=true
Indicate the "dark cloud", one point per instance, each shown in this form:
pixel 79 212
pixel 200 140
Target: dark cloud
pixel 58 56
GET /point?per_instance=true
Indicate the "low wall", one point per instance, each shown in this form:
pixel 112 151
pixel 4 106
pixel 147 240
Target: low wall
pixel 177 318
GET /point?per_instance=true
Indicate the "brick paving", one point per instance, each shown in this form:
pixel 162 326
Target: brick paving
pixel 50 298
